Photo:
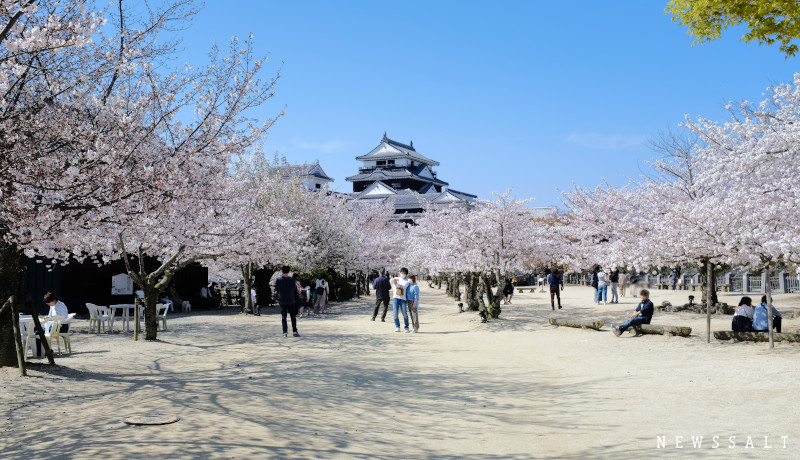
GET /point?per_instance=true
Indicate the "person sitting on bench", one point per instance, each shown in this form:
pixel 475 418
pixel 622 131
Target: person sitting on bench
pixel 743 316
pixel 761 317
pixel 642 315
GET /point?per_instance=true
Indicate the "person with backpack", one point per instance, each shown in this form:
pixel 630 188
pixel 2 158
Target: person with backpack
pixel 555 280
pixel 288 293
pixel 595 282
pixel 322 296
pixel 399 299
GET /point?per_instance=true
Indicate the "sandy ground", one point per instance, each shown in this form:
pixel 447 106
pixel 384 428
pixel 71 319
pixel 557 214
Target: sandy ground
pixel 352 388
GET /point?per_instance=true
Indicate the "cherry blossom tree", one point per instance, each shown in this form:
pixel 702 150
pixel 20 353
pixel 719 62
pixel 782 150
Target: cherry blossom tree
pixel 105 148
pixel 492 240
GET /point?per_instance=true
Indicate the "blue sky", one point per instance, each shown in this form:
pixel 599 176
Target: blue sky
pixel 529 95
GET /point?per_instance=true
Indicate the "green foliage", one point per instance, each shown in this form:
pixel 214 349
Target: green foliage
pixel 767 21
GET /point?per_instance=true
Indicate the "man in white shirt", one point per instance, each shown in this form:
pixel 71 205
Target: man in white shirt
pixel 57 308
pixel 399 286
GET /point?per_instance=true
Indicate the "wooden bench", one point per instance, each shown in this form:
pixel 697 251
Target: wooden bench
pixel 596 325
pixel 756 336
pixel 663 330
pixel 724 287
pixel 662 285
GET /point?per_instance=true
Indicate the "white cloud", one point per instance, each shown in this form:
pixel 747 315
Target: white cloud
pixel 329 146
pixel 597 141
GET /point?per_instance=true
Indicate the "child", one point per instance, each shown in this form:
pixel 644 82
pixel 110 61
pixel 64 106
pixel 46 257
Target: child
pixel 642 315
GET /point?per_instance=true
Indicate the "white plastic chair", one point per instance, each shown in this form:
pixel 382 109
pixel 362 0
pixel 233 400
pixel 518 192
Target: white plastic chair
pixel 93 316
pixel 162 310
pixel 99 315
pixel 30 336
pixel 106 315
pixel 66 337
pixel 51 331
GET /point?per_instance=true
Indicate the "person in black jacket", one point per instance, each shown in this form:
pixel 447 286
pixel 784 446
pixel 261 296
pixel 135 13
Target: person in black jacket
pixel 642 315
pixel 382 296
pixel 614 278
pixel 286 287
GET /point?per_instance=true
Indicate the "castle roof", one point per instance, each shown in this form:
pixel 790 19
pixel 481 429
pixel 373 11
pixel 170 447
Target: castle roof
pixel 421 173
pixel 389 149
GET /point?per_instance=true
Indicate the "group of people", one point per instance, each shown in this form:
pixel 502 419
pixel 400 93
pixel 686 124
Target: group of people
pixel 747 318
pixel 404 293
pixel 601 281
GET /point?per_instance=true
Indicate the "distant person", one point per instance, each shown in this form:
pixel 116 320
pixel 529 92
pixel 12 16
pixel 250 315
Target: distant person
pixel 382 288
pixel 761 317
pixel 673 279
pixel 743 316
pixel 623 283
pixel 322 292
pixel 286 287
pixel 298 301
pixel 614 278
pixel 556 282
pixel 508 292
pixel 642 315
pixel 305 300
pixel 594 283
pixel 602 287
pixel 254 300
pixel 399 300
pixel 412 299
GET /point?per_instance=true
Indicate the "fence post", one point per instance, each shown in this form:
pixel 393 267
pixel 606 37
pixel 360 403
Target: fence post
pixel 745 282
pixel 782 282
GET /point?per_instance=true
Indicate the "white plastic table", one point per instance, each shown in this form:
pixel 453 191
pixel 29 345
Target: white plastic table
pixel 126 313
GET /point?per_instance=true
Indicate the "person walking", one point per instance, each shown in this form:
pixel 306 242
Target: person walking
pixel 556 281
pixel 286 287
pixel 614 278
pixel 382 296
pixel 623 283
pixel 399 300
pixel 602 287
pixel 412 298
pixel 508 293
pixel 322 296
pixel 594 283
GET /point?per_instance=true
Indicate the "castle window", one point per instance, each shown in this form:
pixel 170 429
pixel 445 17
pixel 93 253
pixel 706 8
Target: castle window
pixel 380 163
pixel 390 162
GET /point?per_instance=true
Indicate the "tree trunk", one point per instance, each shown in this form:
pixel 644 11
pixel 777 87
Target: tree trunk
pixel 768 289
pixel 704 287
pixel 11 275
pixel 150 313
pixel 596 325
pixel 247 276
pixel 17 337
pixel 709 296
pixel 472 292
pixel 493 300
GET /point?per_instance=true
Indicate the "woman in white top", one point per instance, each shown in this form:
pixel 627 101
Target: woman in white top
pixel 743 316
